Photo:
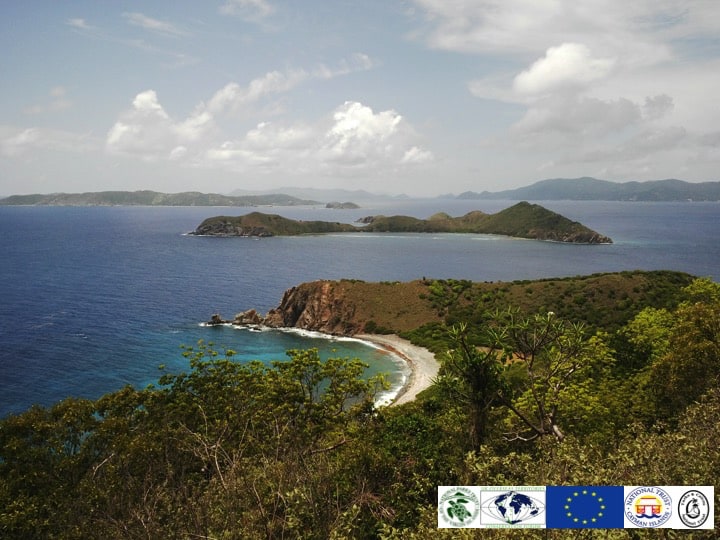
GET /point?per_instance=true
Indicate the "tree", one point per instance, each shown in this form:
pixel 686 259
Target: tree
pixel 474 376
pixel 541 368
pixel 557 361
pixel 691 363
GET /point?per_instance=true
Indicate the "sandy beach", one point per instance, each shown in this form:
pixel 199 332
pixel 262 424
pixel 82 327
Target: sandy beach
pixel 423 366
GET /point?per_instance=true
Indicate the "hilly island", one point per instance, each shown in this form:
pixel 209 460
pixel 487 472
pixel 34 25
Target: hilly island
pixel 152 198
pixel 522 220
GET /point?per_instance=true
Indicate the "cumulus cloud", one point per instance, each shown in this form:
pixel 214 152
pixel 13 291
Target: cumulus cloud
pixel 148 131
pixel 358 134
pixel 354 139
pixel 569 66
pixel 565 107
pixel 145 130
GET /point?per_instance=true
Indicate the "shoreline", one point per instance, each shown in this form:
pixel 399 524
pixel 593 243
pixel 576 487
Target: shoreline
pixel 422 363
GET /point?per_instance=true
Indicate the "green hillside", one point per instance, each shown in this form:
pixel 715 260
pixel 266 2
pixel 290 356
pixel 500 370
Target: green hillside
pixel 260 224
pixel 151 198
pixel 523 220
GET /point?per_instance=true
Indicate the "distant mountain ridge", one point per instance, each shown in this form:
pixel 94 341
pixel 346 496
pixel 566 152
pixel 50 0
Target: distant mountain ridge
pixel 153 198
pixel 592 189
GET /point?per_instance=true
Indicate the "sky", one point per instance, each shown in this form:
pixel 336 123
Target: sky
pixel 420 97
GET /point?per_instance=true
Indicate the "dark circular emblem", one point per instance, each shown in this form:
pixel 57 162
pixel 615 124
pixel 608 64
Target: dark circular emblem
pixel 693 508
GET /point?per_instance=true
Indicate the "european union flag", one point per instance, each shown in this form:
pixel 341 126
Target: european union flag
pixel 584 507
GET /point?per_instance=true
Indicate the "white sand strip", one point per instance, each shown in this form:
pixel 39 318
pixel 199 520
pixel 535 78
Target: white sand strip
pixel 423 366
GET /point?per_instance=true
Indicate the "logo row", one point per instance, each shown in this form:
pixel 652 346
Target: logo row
pixel 576 507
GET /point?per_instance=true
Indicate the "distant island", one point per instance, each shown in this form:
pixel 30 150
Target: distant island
pixel 592 189
pixel 342 205
pixel 522 220
pixel 153 198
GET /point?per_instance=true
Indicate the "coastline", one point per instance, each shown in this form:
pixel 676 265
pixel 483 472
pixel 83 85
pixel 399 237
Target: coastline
pixel 422 363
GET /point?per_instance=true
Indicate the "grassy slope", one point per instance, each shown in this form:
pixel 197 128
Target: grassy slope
pixel 421 309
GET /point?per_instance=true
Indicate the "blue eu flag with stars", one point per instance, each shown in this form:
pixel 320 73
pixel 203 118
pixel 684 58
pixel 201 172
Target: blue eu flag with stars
pixel 584 507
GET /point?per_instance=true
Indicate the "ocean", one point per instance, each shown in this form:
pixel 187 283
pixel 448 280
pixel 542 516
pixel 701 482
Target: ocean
pixel 95 298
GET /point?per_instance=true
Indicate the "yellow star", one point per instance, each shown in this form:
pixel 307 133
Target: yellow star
pixel 584 521
pixel 576 520
pixel 584 491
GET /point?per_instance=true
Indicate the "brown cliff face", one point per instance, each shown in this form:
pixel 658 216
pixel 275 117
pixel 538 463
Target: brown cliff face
pixel 319 306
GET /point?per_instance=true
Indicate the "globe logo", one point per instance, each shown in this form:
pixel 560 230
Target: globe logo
pixel 513 507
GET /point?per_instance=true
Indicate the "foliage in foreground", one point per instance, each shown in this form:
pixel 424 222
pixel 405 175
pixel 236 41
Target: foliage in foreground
pixel 296 450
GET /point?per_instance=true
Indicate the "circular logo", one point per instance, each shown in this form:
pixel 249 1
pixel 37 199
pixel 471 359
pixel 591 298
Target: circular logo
pixel 648 507
pixel 512 507
pixel 459 507
pixel 693 508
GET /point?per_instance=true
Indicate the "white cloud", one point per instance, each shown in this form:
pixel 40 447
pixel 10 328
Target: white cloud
pixel 251 10
pixel 641 146
pixel 569 66
pixel 416 155
pixel 154 25
pixel 233 96
pixel 639 30
pixel 358 132
pixel 354 140
pixel 487 25
pixel 22 142
pixel 80 24
pixel 573 116
pixel 145 130
pixel 148 131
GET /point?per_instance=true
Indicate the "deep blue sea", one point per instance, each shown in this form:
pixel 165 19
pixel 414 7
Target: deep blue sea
pixel 92 299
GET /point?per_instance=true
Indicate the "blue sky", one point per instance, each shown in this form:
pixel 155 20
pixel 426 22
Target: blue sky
pixel 422 97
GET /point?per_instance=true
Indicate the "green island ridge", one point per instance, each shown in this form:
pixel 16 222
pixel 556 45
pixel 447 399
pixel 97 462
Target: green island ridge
pixel 152 198
pixel 522 220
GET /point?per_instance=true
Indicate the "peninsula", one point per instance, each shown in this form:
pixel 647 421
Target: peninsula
pixel 410 319
pixel 522 220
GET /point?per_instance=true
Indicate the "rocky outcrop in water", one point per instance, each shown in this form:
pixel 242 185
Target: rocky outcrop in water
pixel 314 306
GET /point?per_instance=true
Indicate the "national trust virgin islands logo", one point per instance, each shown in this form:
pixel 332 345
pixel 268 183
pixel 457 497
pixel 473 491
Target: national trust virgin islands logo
pixel 693 508
pixel 648 507
pixel 457 506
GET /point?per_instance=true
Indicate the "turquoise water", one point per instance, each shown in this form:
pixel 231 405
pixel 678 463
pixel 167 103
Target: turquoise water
pixel 92 299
